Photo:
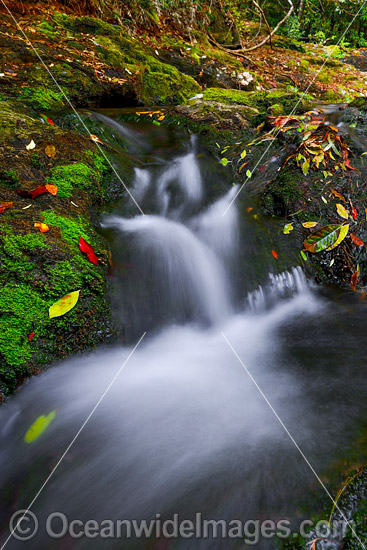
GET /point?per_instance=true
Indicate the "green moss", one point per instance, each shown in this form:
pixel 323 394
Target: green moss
pixel 160 83
pixel 86 25
pixel 71 228
pixel 15 252
pixel 281 195
pixel 22 309
pixel 9 177
pixel 47 29
pixel 75 176
pixel 42 98
pixel 167 86
pixel 260 100
pixel 276 110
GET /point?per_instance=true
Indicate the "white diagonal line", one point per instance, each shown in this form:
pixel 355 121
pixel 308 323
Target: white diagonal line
pixel 292 439
pixel 70 105
pixel 295 108
pixel 72 441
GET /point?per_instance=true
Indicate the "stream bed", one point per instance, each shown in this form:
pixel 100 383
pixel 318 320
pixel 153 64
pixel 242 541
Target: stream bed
pixel 242 370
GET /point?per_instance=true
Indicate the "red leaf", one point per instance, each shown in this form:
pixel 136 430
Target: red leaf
pixel 354 280
pixel 87 249
pixel 354 213
pixel 357 241
pixel 31 336
pixel 348 165
pixel 274 254
pixel 39 191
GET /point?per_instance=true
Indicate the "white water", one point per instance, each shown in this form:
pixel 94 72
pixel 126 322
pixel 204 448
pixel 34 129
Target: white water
pixel 183 429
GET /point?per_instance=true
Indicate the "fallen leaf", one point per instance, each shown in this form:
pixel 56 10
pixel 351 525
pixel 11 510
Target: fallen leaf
pixel 224 161
pixel 323 199
pixel 42 227
pixel 31 336
pixel 52 189
pixel 38 427
pixel 309 225
pixel 343 213
pixel 39 191
pixel 95 139
pixel 357 241
pixel 338 195
pixel 343 233
pixel 348 165
pixel 274 254
pixel 306 167
pixel 287 228
pixel 303 255
pixel 48 120
pixel 5 205
pixel 250 209
pixel 87 249
pixel 26 207
pixel 73 203
pixel 354 213
pixel 64 305
pixel 248 174
pixel 50 151
pixel 354 280
pixel 332 262
pixel 324 238
pixel 30 145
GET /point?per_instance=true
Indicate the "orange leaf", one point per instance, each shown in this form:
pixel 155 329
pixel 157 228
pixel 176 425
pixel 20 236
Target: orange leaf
pixel 274 254
pixel 95 139
pixel 31 336
pixel 357 241
pixel 42 227
pixel 5 205
pixel 337 194
pixel 52 189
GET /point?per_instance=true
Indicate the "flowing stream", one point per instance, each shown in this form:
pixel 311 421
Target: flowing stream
pixel 184 428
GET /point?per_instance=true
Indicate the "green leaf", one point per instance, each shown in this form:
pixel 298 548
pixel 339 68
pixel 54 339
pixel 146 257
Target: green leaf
pixel 243 154
pixel 38 427
pixel 323 199
pixel 224 161
pixel 248 174
pixel 303 255
pixel 325 238
pixel 156 122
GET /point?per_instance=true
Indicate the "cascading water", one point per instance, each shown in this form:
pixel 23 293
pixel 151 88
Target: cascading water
pixel 183 429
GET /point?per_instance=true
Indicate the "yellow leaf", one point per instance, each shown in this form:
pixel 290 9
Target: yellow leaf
pixel 64 305
pixel 50 151
pixel 343 233
pixel 288 228
pixel 42 227
pixel 342 211
pixel 308 225
pixel 38 427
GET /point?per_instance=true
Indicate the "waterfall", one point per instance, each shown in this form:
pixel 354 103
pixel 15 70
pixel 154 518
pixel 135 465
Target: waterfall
pixel 183 429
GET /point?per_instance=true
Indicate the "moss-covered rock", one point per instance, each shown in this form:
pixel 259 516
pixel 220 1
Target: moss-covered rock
pixel 37 269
